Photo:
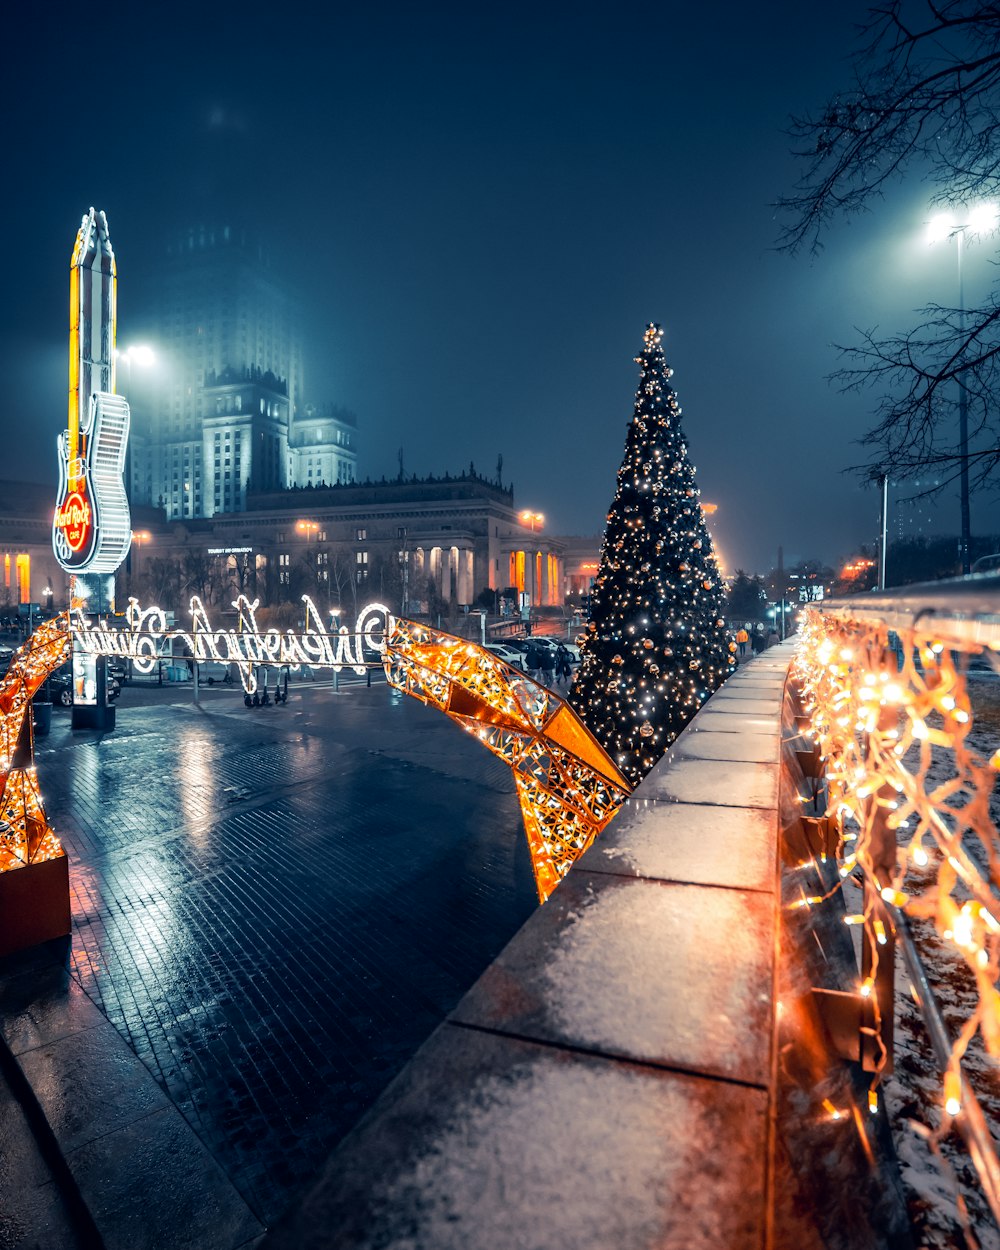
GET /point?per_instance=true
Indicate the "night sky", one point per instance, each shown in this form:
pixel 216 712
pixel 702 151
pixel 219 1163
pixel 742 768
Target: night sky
pixel 481 207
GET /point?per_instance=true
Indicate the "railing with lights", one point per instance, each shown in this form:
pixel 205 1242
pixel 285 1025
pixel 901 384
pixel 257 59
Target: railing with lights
pixel 881 681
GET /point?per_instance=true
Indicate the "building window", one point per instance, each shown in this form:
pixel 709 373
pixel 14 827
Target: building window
pixel 361 535
pixel 362 557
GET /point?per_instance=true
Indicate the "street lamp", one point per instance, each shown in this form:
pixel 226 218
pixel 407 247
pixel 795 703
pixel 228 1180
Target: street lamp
pixel 140 354
pixel 979 219
pixel 307 528
pixel 532 519
pixel 138 537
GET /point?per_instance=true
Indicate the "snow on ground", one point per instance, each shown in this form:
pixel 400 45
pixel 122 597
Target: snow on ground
pixel 913 1093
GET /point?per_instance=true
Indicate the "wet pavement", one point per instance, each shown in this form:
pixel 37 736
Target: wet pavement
pixel 275 907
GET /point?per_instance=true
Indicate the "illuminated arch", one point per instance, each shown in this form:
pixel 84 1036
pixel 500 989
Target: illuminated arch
pixel 25 835
pixel 567 786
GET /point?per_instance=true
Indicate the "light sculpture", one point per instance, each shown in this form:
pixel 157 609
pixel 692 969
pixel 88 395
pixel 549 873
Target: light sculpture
pixel 91 525
pixel 25 835
pixel 567 785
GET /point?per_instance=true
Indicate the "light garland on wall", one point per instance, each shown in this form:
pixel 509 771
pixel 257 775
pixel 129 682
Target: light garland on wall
pixel 868 718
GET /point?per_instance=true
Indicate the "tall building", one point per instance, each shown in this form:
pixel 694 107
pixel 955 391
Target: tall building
pixel 221 418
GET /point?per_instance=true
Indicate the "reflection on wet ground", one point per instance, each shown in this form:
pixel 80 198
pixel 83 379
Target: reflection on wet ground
pixel 275 913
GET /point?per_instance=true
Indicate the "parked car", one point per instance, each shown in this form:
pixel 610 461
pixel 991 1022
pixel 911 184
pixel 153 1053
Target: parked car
pixel 571 647
pixel 509 655
pixel 60 686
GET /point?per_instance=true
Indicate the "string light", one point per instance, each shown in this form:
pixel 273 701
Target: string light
pixel 656 645
pixel 25 834
pixel 880 733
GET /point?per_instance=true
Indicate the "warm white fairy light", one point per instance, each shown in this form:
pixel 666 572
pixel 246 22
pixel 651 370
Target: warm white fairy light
pixel 877 731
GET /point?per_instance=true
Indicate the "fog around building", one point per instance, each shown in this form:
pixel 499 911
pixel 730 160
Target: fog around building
pixel 479 212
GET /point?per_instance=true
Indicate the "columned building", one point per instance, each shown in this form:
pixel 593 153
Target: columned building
pixel 420 547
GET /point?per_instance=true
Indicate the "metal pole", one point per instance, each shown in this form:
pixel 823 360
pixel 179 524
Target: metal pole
pixel 885 526
pixel 963 429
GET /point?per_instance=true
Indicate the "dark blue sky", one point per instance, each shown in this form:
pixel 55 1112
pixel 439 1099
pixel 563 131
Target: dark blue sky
pixel 481 209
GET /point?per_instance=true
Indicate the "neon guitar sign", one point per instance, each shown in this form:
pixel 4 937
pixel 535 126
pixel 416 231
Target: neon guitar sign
pixel 92 527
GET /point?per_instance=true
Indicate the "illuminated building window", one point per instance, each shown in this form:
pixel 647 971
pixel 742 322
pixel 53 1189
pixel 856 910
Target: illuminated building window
pixel 23 564
pixel 362 557
pixel 361 535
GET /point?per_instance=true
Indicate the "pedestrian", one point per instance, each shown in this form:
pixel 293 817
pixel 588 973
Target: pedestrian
pixel 564 666
pixel 532 661
pixel 772 637
pixel 742 637
pixel 548 664
pixel 757 643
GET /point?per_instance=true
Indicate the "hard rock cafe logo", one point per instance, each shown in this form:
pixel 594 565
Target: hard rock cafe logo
pixel 73 518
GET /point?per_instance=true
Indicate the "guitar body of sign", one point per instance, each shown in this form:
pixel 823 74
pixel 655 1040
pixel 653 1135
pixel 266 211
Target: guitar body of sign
pixel 92 526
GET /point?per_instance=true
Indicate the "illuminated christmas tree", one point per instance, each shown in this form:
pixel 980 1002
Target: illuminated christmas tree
pixel 656 645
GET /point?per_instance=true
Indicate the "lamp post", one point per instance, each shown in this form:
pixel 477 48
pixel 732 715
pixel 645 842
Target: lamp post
pixel 980 219
pixel 534 521
pixel 307 528
pixel 138 538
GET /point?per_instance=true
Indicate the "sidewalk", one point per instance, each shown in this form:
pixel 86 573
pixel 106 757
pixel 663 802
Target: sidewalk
pixel 272 909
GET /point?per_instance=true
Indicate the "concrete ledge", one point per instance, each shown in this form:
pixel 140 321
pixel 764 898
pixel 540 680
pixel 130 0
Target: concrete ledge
pixel 608 1080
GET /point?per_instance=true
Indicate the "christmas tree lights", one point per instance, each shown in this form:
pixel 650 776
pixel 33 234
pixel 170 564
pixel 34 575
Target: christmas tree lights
pixel 656 645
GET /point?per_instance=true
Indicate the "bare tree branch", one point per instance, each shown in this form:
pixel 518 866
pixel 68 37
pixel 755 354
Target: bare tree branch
pixel 925 102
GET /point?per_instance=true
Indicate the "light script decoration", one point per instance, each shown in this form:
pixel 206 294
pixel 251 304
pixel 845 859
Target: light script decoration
pixel 25 835
pixel 568 787
pixel 149 639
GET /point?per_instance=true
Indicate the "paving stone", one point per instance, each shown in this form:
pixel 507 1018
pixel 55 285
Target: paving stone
pixel 42 1006
pixel 275 911
pixel 33 1215
pixel 727 846
pixel 646 970
pixel 520 1147
pixel 714 782
pixel 724 701
pixel 722 720
pixel 88 1084
pixel 707 744
pixel 191 1205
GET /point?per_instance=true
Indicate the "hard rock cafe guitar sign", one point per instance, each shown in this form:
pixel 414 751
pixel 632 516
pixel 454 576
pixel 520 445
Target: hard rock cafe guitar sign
pixel 92 528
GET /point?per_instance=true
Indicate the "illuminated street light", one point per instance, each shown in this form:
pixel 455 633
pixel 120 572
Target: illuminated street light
pixel 140 354
pixel 532 519
pixel 138 538
pixel 979 219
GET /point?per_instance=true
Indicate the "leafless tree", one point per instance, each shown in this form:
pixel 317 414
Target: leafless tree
pixel 925 102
